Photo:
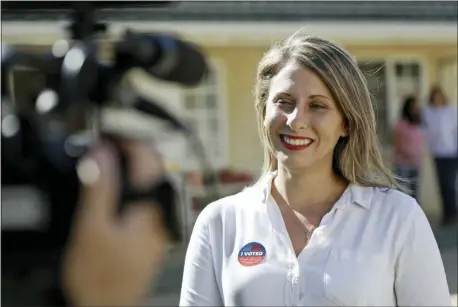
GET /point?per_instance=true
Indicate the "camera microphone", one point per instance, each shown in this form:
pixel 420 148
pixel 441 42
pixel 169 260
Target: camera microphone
pixel 163 56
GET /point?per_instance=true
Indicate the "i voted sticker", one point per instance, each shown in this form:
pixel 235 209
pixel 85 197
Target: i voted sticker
pixel 252 254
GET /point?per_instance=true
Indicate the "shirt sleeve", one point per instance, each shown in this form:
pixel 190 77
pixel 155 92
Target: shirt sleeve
pixel 420 274
pixel 199 286
pixel 454 114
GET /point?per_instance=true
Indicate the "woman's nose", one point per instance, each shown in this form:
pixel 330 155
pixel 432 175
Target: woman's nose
pixel 297 119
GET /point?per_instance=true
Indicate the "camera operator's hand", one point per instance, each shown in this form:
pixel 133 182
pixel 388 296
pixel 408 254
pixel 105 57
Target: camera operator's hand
pixel 110 261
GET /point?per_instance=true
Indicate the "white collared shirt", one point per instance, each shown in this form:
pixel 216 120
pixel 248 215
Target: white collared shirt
pixel 374 248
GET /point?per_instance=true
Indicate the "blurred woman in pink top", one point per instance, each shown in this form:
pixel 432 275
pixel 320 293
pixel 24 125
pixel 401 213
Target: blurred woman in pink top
pixel 408 144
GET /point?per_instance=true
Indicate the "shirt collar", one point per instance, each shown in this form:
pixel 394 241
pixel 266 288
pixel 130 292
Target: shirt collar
pixel 354 194
pixel 361 195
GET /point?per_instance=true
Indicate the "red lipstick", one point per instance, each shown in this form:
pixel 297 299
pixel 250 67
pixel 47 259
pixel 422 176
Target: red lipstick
pixel 295 143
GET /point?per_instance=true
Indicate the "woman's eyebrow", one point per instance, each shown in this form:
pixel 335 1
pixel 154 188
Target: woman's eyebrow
pixel 288 94
pixel 319 96
pixel 283 94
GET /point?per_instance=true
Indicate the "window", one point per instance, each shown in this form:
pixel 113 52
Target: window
pixel 199 107
pixel 375 73
pixel 407 79
pixel 204 112
pixel 389 83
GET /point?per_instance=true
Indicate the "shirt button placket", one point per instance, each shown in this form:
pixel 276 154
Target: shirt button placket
pixel 295 288
pixel 290 286
pixel 293 283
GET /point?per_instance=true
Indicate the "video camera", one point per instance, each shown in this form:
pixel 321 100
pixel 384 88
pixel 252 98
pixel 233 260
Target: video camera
pixel 44 135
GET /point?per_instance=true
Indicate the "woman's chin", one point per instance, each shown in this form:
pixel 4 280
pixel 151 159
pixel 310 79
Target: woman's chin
pixel 293 163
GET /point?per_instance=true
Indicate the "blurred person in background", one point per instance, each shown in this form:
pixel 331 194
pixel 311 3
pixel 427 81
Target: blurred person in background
pixel 440 124
pixel 408 144
pixel 324 225
pixel 112 260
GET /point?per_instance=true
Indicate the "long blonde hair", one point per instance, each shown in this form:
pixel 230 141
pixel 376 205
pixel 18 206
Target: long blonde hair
pixel 357 157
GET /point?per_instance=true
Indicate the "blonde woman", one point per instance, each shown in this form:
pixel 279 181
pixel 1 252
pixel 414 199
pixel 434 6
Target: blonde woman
pixel 325 224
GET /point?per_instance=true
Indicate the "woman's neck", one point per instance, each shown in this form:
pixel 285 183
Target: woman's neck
pixel 439 105
pixel 314 191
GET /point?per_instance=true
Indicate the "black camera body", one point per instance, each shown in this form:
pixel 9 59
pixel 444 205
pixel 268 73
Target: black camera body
pixel 43 138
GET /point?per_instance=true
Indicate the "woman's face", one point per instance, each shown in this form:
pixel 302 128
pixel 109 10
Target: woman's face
pixel 302 118
pixel 415 110
pixel 438 99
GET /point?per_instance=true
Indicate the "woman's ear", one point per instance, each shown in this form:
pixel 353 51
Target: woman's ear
pixel 345 129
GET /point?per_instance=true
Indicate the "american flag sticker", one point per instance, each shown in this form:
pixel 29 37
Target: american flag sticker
pixel 252 254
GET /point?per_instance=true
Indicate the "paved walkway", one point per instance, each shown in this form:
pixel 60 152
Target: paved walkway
pixel 167 288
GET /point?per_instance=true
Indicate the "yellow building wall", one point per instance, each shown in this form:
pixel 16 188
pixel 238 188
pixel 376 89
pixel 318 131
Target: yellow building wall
pixel 245 151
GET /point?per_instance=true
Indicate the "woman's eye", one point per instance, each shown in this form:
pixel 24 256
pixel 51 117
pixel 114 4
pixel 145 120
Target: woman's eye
pixel 317 106
pixel 283 101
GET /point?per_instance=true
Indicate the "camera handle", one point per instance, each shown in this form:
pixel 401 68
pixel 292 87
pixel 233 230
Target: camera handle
pixel 80 76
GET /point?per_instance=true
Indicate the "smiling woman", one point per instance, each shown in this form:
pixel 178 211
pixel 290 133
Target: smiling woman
pixel 304 116
pixel 325 224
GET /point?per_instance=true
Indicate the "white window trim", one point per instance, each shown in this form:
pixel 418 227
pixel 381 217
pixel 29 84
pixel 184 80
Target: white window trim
pixel 223 114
